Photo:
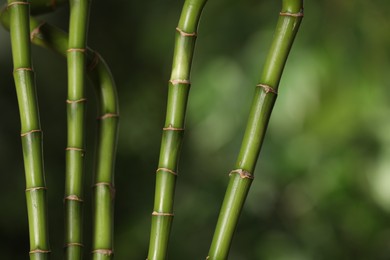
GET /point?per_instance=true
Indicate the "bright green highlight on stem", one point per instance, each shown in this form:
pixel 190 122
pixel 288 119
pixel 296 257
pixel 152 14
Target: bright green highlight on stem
pixel 31 133
pixel 173 130
pixel 263 102
pixel 75 151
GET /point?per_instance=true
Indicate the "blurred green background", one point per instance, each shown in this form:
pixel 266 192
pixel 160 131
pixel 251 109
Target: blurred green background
pixel 322 187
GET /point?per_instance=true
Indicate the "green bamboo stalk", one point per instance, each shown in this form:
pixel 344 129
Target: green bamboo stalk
pixel 31 132
pixel 265 95
pixel 75 151
pixel 173 130
pixel 48 36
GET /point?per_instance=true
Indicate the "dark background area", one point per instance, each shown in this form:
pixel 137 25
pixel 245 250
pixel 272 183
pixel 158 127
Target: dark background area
pixel 322 186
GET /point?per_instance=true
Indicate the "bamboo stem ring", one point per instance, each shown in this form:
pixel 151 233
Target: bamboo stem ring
pixel 76 101
pixel 243 174
pixel 17 3
pixel 30 132
pixel 74 149
pixel 107 252
pixel 167 170
pixel 163 214
pixel 185 34
pixel 23 69
pixel 73 244
pixel 39 251
pixel 35 189
pixel 180 81
pixel 76 50
pixel 108 115
pixel 299 14
pixel 73 198
pixel 267 89
pixel 171 128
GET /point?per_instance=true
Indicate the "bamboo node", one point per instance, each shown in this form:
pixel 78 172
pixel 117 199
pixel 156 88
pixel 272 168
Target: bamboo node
pixel 109 185
pixel 167 170
pixel 299 14
pixel 185 34
pixel 267 89
pixel 76 101
pixel 74 149
pixel 107 252
pixel 95 61
pixel 35 189
pixel 180 81
pixel 243 174
pixel 108 115
pixel 76 50
pixel 73 244
pixel 30 132
pixel 36 31
pixel 73 198
pixel 155 213
pixel 17 3
pixel 39 251
pixel 171 128
pixel 23 69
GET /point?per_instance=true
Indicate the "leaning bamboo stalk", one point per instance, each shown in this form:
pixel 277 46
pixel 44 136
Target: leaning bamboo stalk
pixel 75 150
pixel 265 95
pixel 173 130
pixel 31 132
pixel 48 36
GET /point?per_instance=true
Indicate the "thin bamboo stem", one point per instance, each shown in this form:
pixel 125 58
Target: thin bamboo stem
pixel 263 102
pixel 31 133
pixel 75 151
pixel 173 130
pixel 48 36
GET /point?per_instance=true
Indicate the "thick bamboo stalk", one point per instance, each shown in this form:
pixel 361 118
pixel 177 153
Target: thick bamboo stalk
pixel 173 130
pixel 265 95
pixel 75 151
pixel 31 132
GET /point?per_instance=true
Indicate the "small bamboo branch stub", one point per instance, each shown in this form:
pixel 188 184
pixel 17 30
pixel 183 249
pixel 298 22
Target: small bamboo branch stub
pixel 243 174
pixel 267 89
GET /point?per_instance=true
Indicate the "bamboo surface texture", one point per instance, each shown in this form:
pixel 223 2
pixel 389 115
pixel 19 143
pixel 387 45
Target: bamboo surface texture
pixel 31 132
pixel 179 85
pixel 264 98
pixel 75 150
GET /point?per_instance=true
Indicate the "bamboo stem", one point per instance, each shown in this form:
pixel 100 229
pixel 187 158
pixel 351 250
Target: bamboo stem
pixel 108 115
pixel 263 102
pixel 75 151
pixel 173 130
pixel 31 133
